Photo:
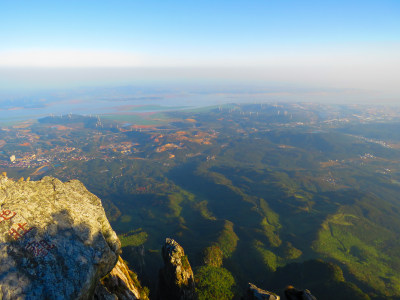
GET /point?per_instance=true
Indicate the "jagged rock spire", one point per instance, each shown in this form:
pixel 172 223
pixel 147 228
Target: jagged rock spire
pixel 176 280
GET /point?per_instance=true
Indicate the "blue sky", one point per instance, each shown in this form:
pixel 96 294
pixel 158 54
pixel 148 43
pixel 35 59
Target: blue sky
pixel 328 38
pixel 181 26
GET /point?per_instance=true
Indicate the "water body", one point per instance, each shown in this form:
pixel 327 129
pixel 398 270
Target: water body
pixel 18 112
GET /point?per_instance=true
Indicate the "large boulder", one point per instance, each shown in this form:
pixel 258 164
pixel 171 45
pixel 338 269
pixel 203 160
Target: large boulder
pixel 176 280
pixel 55 240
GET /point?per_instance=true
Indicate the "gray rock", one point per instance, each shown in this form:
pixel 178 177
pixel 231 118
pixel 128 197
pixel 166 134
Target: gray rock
pixel 55 240
pixel 255 293
pixel 121 284
pixel 101 293
pixel 176 280
pixel 292 293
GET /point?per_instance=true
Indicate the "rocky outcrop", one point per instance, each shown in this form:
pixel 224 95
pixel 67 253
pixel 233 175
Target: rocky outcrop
pixel 255 293
pixel 122 283
pixel 56 243
pixel 176 279
pixel 55 240
pixel 292 293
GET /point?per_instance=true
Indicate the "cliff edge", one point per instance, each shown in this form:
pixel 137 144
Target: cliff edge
pixel 56 243
pixel 55 240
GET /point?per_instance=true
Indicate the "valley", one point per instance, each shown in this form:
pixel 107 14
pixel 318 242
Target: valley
pixel 271 193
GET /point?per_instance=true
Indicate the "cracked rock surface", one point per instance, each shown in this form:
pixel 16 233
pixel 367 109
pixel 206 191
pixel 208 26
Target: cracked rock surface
pixel 176 280
pixel 55 240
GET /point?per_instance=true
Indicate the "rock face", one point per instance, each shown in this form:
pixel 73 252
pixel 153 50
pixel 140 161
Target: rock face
pixel 292 293
pixel 56 243
pixel 55 240
pixel 120 283
pixel 176 279
pixel 255 293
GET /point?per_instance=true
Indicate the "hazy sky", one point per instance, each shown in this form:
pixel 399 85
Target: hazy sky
pixel 333 44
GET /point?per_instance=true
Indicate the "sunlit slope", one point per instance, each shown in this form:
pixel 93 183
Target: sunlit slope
pixel 265 203
pixel 263 194
pixel 351 218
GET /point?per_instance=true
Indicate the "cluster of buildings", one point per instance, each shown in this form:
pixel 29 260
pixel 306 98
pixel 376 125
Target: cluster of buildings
pixel 34 160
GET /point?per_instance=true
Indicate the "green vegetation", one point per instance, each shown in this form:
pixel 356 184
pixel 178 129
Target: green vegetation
pixel 325 280
pixel 270 224
pixel 126 219
pixel 204 211
pixel 214 283
pixel 227 240
pixel 289 252
pixel 336 239
pixel 269 258
pixel 260 188
pixel 185 262
pixel 213 256
pixel 133 238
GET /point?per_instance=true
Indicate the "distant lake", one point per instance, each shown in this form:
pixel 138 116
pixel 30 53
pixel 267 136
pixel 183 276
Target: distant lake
pixel 17 112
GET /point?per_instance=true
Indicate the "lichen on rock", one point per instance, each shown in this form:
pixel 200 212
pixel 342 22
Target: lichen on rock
pixel 176 280
pixel 55 240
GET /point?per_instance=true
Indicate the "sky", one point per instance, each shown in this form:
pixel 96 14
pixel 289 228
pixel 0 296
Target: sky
pixel 332 44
